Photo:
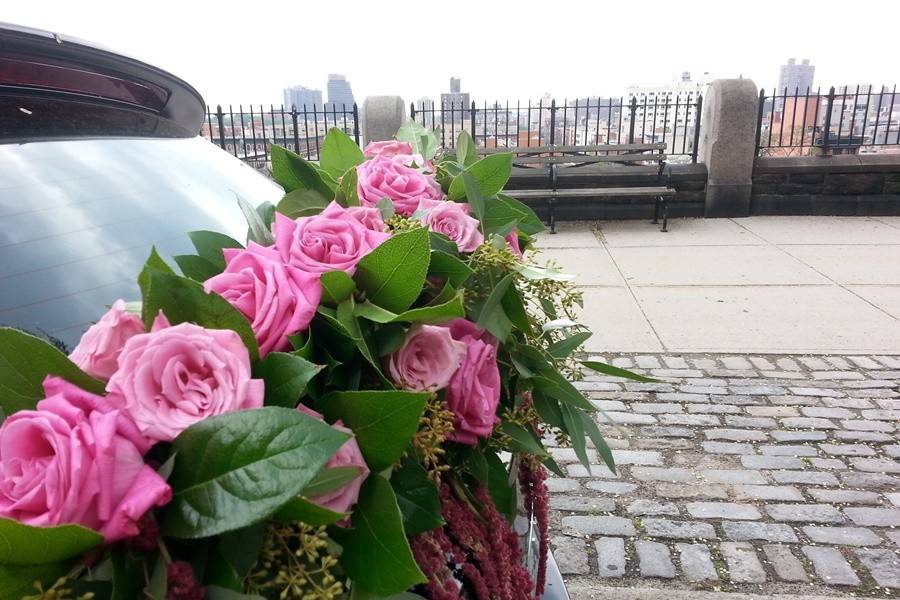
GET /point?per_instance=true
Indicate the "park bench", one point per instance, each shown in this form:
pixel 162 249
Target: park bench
pixel 647 158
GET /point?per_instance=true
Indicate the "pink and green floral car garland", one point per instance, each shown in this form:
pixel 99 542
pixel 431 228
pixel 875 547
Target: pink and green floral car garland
pixel 352 405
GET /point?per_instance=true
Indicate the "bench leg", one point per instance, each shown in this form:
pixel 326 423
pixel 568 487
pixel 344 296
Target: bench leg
pixel 665 207
pixel 655 220
pixel 551 209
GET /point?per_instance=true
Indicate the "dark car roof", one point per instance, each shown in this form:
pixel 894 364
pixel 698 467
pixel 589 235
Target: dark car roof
pixel 46 67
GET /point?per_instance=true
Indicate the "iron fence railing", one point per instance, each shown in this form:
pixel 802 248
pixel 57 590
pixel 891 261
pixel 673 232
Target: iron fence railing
pixel 845 120
pixel 670 118
pixel 247 134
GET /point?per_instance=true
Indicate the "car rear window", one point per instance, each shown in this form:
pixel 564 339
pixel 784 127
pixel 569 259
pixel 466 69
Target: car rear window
pixel 78 219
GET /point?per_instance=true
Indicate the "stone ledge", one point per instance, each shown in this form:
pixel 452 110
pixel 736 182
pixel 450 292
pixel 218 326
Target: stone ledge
pixel 843 163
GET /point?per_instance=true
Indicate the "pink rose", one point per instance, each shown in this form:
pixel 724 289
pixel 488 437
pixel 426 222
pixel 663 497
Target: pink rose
pixel 453 220
pixel 349 455
pixel 333 240
pixel 512 238
pixel 99 347
pixel 173 377
pixel 474 390
pixel 76 460
pixel 387 148
pixel 390 178
pixel 427 359
pixel 369 216
pixel 277 299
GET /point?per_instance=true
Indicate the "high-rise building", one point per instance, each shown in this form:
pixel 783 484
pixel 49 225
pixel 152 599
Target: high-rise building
pixel 456 101
pixel 339 92
pixel 299 95
pixel 793 76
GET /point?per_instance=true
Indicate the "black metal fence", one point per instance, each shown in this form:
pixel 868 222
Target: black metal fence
pixel 845 120
pixel 671 118
pixel 247 135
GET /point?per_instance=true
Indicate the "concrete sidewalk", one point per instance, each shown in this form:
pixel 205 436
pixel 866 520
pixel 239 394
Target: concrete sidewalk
pixel 785 285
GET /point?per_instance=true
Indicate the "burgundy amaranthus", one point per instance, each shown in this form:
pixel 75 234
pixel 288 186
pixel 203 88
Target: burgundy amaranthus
pixel 147 538
pixel 182 585
pixel 476 549
pixel 533 482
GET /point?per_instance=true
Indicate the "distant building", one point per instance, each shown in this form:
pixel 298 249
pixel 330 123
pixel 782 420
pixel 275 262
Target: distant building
pixel 339 92
pixel 456 100
pixel 299 95
pixel 796 77
pixel 665 111
pixel 425 111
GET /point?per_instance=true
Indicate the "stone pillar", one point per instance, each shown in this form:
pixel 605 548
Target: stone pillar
pixel 381 117
pixel 728 145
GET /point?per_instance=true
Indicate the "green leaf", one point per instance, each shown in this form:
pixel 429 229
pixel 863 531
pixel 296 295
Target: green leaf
pixel 17 581
pixel 449 268
pixel 515 310
pixel 348 193
pixel 158 584
pixel 417 497
pixel 154 263
pixel 440 242
pixel 209 245
pixel 376 552
pixel 392 274
pixel 336 286
pixel 490 314
pixel 183 301
pixel 22 544
pixel 238 468
pixel 590 427
pixel 540 273
pixel 556 386
pixel 523 440
pixel 266 212
pixel 339 153
pixel 196 267
pixel 475 198
pixel 575 428
pixel 258 231
pixel 466 153
pixel 306 511
pixel 503 213
pixel 616 371
pixel 489 174
pixel 423 140
pixel 382 421
pixel 497 482
pixel 25 361
pixel 357 593
pixel 329 480
pixel 302 203
pixel 286 376
pixel 345 331
pixel 529 222
pixel 127 575
pixel 548 409
pixel 439 313
pixel 567 345
pixel 292 172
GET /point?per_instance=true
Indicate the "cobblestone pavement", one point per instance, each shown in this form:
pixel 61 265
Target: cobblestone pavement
pixel 762 475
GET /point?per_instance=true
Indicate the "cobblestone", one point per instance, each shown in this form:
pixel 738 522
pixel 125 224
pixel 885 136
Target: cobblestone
pixel 696 562
pixel 787 566
pixel 717 478
pixel 654 559
pixel 610 556
pixel 742 531
pixel 842 536
pixel 743 564
pixel 830 565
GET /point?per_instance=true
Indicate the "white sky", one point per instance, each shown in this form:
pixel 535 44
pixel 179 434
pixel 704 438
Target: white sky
pixel 248 51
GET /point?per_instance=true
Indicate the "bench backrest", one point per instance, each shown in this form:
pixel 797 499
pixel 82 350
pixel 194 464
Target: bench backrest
pixel 598 153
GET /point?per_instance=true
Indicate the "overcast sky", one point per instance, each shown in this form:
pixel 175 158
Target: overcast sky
pixel 248 51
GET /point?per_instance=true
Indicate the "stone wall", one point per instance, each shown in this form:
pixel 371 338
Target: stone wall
pixel 828 185
pixel 688 179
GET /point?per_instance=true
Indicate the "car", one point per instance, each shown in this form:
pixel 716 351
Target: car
pixel 100 160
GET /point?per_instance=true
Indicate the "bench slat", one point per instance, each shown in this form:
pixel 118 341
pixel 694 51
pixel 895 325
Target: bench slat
pixel 546 160
pixel 593 148
pixel 587 192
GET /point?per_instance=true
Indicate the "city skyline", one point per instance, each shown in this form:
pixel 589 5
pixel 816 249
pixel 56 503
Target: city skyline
pixel 233 57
